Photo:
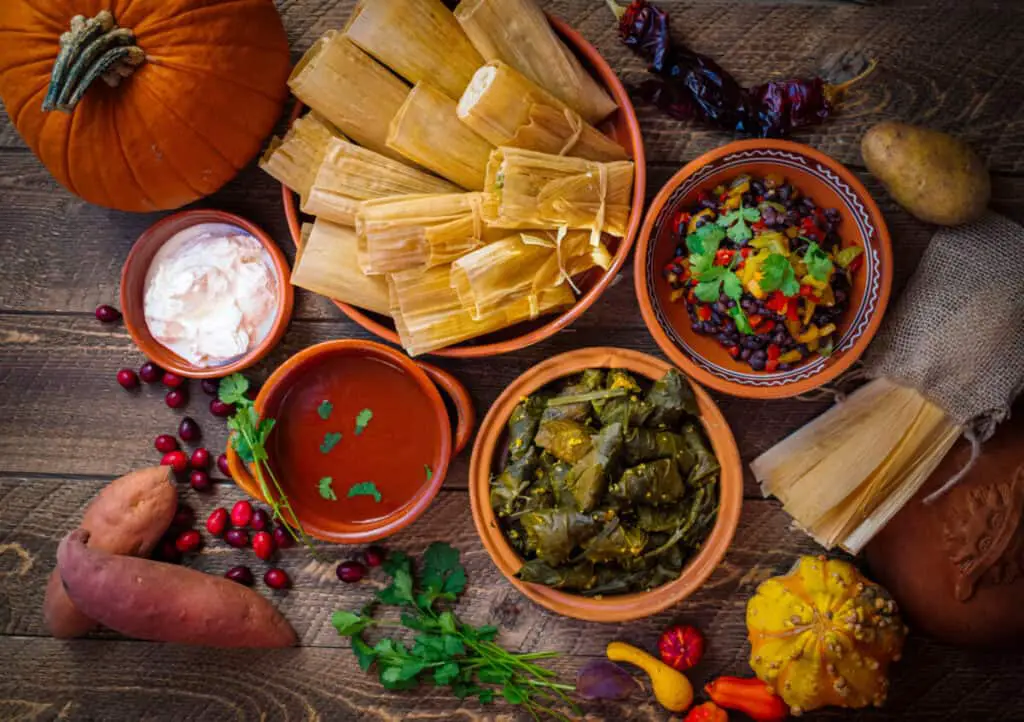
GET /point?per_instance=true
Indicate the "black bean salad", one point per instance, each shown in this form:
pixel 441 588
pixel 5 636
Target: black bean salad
pixel 762 269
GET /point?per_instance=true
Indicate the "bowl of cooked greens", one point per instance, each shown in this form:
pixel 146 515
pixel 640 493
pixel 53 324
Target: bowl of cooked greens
pixel 605 485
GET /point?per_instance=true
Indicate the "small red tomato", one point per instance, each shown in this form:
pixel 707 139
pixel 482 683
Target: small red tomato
pixel 217 522
pixel 200 459
pixel 707 712
pixel 263 545
pixel 176 398
pixel 277 579
pixel 188 541
pixel 681 646
pixel 241 514
pixel 282 538
pixel 128 379
pixel 165 443
pixel 200 480
pixel 172 380
pixel 176 460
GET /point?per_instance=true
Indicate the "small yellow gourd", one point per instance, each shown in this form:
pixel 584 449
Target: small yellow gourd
pixel 671 688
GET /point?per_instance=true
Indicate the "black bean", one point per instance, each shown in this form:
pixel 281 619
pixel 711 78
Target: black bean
pixel 747 305
pixel 757 362
pixel 745 353
pixel 785 191
pixel 696 326
pixel 784 367
pixel 711 203
pixel 757 187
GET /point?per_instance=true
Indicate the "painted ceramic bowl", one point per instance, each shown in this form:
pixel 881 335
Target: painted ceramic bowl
pixel 624 127
pixel 486 461
pixel 817 176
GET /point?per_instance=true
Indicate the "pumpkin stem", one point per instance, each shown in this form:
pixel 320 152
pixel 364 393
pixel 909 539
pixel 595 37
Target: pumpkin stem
pixel 91 49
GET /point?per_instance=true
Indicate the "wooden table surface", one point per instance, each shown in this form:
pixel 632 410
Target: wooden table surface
pixel 66 428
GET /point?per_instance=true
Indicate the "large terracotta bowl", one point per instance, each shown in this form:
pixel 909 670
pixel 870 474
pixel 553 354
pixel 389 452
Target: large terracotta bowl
pixel 624 127
pixel 489 450
pixel 816 175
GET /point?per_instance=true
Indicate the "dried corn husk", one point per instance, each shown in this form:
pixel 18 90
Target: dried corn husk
pixel 418 39
pixel 326 264
pixel 508 109
pixel 498 273
pixel 350 89
pixel 350 174
pixel 294 159
pixel 427 131
pixel 526 189
pixel 575 254
pixel 517 32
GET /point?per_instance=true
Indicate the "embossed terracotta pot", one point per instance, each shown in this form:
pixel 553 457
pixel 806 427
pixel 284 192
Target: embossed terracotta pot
pixel 816 175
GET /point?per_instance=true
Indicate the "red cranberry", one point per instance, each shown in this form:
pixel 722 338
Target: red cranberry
pixel 260 521
pixel 167 551
pixel 222 464
pixel 210 386
pixel 241 514
pixel 128 379
pixel 219 408
pixel 184 517
pixel 217 522
pixel 172 380
pixel 282 538
pixel 374 556
pixel 277 579
pixel 107 314
pixel 351 572
pixel 165 443
pixel 150 372
pixel 263 545
pixel 242 575
pixel 176 398
pixel 189 430
pixel 238 538
pixel 176 460
pixel 200 459
pixel 200 480
pixel 188 541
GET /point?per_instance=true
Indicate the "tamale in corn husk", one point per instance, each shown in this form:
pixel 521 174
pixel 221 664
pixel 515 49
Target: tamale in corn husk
pixel 420 231
pixel 429 316
pixel 350 89
pixel 350 174
pixel 427 131
pixel 517 32
pixel 508 109
pixel 574 255
pixel 326 264
pixel 526 189
pixel 294 159
pixel 418 39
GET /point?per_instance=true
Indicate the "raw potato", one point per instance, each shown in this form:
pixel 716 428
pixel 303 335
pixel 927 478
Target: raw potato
pixel 167 603
pixel 936 177
pixel 127 517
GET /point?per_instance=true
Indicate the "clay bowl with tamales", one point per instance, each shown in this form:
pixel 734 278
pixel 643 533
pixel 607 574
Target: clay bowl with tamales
pixel 605 485
pixel 456 182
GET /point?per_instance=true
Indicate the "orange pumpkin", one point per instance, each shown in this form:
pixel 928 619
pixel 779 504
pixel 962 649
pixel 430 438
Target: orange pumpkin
pixel 143 105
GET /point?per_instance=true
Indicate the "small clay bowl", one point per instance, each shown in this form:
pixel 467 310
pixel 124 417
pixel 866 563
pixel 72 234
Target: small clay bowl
pixel 294 372
pixel 489 450
pixel 830 185
pixel 621 125
pixel 133 281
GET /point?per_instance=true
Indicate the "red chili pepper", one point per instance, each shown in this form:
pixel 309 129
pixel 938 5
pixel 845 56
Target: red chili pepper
pixel 765 327
pixel 734 351
pixel 755 320
pixel 752 697
pixel 759 226
pixel 704 313
pixel 792 312
pixel 745 252
pixel 856 263
pixel 682 646
pixel 774 352
pixel 809 293
pixel 707 712
pixel 723 257
pixel 777 302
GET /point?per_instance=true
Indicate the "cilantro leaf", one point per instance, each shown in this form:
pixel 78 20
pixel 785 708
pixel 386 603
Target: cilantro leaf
pixel 443 575
pixel 232 389
pixel 779 275
pixel 362 420
pixel 736 222
pixel 741 320
pixel 242 448
pixel 331 439
pixel 708 291
pixel 399 592
pixel 705 240
pixel 365 488
pixel 819 265
pixel 324 409
pixel 732 287
pixel 349 623
pixel 430 472
pixel 446 673
pixel 325 489
pixel 364 653
pixel 263 432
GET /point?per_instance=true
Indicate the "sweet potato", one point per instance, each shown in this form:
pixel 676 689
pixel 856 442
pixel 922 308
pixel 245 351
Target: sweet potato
pixel 167 603
pixel 127 517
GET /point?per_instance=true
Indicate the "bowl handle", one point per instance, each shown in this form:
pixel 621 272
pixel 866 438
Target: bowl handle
pixel 241 476
pixel 463 404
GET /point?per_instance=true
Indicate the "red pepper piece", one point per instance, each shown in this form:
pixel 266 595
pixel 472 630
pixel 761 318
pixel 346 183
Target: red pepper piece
pixel 752 697
pixel 792 312
pixel 809 229
pixel 704 313
pixel 777 302
pixel 734 351
pixel 810 294
pixel 756 320
pixel 723 257
pixel 774 352
pixel 703 196
pixel 707 712
pixel 856 263
pixel 771 366
pixel 745 252
pixel 759 226
pixel 766 327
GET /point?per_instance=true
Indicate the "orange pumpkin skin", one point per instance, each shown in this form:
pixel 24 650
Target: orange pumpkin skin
pixel 188 119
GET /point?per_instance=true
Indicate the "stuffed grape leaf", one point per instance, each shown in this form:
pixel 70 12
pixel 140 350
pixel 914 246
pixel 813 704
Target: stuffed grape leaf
pixel 671 399
pixel 576 577
pixel 553 534
pixel 590 474
pixel 566 440
pixel 522 425
pixel 655 482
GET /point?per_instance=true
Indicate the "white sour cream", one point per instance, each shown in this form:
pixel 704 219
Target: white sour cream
pixel 211 294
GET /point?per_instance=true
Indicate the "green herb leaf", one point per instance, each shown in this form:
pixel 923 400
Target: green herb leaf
pixel 325 489
pixel 732 287
pixel 232 389
pixel 705 240
pixel 779 275
pixel 443 575
pixel 324 409
pixel 708 291
pixel 331 439
pixel 263 432
pixel 513 694
pixel 741 320
pixel 364 653
pixel 362 420
pixel 365 488
pixel 448 623
pixel 399 592
pixel 736 222
pixel 429 471
pixel 349 623
pixel 446 673
pixel 819 265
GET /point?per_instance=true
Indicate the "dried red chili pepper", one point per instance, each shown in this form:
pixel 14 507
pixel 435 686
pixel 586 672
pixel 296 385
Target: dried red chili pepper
pixel 752 697
pixel 690 85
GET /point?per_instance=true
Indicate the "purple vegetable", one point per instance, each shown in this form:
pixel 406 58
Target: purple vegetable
pixel 601 679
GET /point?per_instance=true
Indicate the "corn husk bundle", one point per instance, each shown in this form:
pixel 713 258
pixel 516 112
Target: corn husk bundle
pixel 510 110
pixel 517 33
pixel 526 189
pixel 294 159
pixel 349 175
pixel 350 89
pixel 418 39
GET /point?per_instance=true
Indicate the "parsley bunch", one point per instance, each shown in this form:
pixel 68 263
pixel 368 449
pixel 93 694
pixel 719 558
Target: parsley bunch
pixel 444 650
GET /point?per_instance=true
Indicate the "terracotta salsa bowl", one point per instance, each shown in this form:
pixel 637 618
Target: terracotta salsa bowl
pixel 486 461
pixel 625 128
pixel 816 175
pixel 407 409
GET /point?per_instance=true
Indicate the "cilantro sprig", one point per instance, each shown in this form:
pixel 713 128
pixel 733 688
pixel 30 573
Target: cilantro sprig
pixel 365 488
pixel 714 280
pixel 445 651
pixel 778 275
pixel 819 265
pixel 736 222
